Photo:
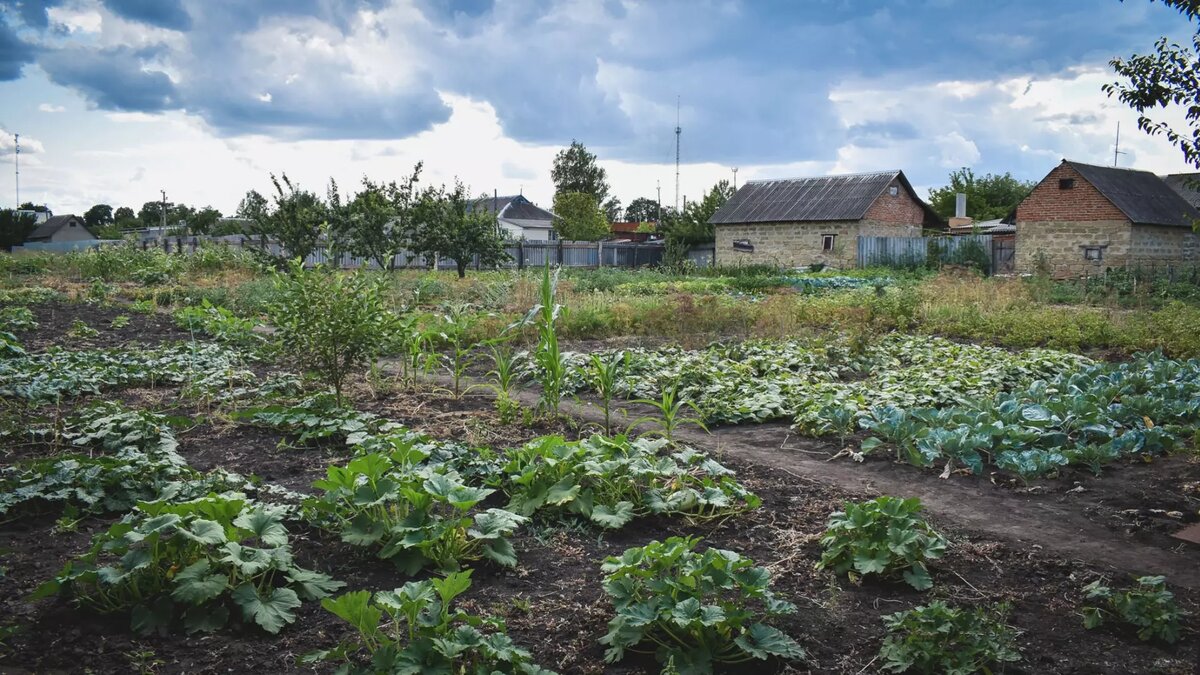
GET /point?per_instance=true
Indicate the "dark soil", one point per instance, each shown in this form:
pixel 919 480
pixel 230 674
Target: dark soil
pixel 56 318
pixel 1032 549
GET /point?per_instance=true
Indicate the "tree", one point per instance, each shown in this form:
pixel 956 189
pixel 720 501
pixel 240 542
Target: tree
pixel 151 214
pixel 1169 76
pixel 15 228
pixel 252 205
pixel 575 170
pixel 577 218
pixel 641 210
pixel 204 221
pixel 125 218
pixel 449 225
pixel 691 226
pixel 988 197
pixel 30 206
pixel 98 216
pixel 294 220
pixel 379 222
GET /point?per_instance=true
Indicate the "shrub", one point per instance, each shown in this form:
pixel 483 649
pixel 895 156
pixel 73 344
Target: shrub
pixel 693 609
pixel 218 322
pixel 17 318
pixel 421 634
pixel 191 563
pixel 331 323
pixel 936 638
pixel 1149 607
pixel 882 536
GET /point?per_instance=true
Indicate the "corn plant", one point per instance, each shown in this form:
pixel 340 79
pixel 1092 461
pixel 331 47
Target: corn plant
pixel 414 630
pixel 937 638
pixel 550 365
pixel 605 377
pixel 882 536
pixel 416 347
pixel 193 563
pixel 670 408
pixel 416 519
pixel 457 320
pixel 1148 607
pixel 693 609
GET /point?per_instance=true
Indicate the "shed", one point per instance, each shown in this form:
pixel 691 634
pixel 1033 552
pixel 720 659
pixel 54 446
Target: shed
pixel 61 228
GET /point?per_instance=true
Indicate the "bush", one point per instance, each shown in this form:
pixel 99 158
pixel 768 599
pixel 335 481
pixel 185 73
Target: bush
pixel 882 536
pixel 693 608
pixel 331 323
pixel 936 638
pixel 1149 607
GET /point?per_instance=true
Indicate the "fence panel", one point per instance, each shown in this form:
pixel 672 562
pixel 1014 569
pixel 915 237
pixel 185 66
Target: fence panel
pixel 915 251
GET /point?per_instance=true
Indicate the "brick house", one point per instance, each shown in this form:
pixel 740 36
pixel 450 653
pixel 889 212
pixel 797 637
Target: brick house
pixel 801 221
pixel 1082 218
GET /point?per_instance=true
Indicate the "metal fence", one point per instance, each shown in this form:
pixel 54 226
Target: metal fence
pixel 923 251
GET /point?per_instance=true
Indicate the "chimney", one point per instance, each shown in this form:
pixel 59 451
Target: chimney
pixel 960 220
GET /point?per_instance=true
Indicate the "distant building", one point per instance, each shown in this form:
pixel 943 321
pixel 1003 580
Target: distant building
pixel 61 228
pixel 633 231
pixel 1083 217
pixel 520 218
pixel 39 217
pixel 801 221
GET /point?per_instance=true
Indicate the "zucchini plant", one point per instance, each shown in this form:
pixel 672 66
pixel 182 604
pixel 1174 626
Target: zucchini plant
pixel 612 480
pixel 1148 607
pixel 938 638
pixel 884 536
pixel 416 518
pixel 315 419
pixel 193 564
pixel 414 630
pixel 693 609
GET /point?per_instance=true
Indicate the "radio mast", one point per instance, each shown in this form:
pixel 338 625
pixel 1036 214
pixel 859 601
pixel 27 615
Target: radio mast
pixel 678 130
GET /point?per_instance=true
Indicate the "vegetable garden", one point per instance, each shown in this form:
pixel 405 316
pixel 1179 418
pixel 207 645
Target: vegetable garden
pixel 347 478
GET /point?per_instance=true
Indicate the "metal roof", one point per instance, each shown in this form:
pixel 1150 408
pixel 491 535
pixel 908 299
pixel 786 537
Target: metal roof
pixel 1187 185
pixel 53 225
pixel 1143 197
pixel 846 197
pixel 513 207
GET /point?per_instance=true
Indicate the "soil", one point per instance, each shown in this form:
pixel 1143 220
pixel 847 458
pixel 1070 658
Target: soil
pixel 55 319
pixel 1032 549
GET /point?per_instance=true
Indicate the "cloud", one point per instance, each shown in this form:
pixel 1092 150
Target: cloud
pixel 51 108
pixel 112 79
pixel 14 52
pixel 169 14
pixel 29 146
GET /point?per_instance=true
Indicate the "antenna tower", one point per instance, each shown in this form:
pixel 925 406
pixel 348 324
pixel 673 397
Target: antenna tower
pixel 1117 146
pixel 678 130
pixel 17 166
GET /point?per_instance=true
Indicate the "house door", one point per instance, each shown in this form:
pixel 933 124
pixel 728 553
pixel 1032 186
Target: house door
pixel 1003 251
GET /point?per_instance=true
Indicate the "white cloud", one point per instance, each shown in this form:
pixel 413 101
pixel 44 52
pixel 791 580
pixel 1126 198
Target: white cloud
pixel 29 145
pixel 51 108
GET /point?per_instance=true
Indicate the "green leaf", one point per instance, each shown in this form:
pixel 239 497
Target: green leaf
pixel 313 585
pixel 454 585
pixel 154 617
pixel 194 585
pixel 501 551
pixel 563 491
pixel 272 612
pixel 248 560
pixel 355 608
pixel 918 577
pixel 204 532
pixel 614 517
pixel 205 619
pixel 267 526
pixel 762 642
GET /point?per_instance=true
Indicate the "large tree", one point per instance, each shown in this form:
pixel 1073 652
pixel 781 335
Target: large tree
pixel 151 214
pixel 99 215
pixel 1168 77
pixel 446 224
pixel 15 228
pixel 294 220
pixel 575 170
pixel 641 210
pixel 125 218
pixel 989 197
pixel 692 226
pixel 204 221
pixel 577 218
pixel 379 222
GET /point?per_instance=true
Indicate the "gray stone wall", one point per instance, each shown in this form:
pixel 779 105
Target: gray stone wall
pixel 1059 246
pixel 1160 244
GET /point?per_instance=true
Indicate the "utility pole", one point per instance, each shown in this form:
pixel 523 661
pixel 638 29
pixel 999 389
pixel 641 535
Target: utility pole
pixel 735 178
pixel 17 166
pixel 163 214
pixel 658 186
pixel 678 130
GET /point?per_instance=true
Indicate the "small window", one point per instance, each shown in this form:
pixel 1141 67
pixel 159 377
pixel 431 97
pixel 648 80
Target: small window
pixel 553 235
pixel 827 241
pixel 1066 183
pixel 894 190
pixel 743 245
pixel 1094 253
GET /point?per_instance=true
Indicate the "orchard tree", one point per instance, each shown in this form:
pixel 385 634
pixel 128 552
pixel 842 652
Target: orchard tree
pixel 989 196
pixel 577 218
pixel 15 228
pixel 1168 77
pixel 379 222
pixel 448 225
pixel 294 219
pixel 575 170
pixel 641 210
pixel 99 215
pixel 691 226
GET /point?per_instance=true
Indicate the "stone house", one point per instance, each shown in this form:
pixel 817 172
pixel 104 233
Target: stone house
pixel 520 218
pixel 797 222
pixel 1083 218
pixel 58 229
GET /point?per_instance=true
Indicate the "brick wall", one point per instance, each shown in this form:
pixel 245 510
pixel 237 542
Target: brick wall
pixel 1060 246
pixel 799 244
pixel 901 208
pixel 1048 203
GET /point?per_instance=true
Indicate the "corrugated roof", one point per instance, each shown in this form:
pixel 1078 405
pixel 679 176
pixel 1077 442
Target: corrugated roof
pixel 1143 197
pixel 1187 185
pixel 513 207
pixel 846 197
pixel 52 225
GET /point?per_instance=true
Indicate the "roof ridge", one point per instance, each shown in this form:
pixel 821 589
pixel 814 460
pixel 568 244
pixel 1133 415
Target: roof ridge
pixel 1110 168
pixel 890 172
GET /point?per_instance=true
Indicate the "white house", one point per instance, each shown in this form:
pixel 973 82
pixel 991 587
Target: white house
pixel 520 218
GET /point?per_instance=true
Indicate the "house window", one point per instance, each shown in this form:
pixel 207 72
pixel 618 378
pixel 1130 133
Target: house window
pixel 827 241
pixel 1066 183
pixel 743 245
pixel 1093 253
pixel 553 235
pixel 893 190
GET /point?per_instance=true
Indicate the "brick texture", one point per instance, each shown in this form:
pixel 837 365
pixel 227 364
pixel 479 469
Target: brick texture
pixel 1083 203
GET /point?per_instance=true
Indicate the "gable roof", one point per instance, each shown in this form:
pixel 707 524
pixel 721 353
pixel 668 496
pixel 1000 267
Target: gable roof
pixel 845 197
pixel 1143 197
pixel 54 224
pixel 513 207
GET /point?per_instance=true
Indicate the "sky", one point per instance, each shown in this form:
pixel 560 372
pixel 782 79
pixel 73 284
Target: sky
pixel 115 100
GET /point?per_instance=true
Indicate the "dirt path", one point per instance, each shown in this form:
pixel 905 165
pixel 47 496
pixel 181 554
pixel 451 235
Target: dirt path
pixel 1023 520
